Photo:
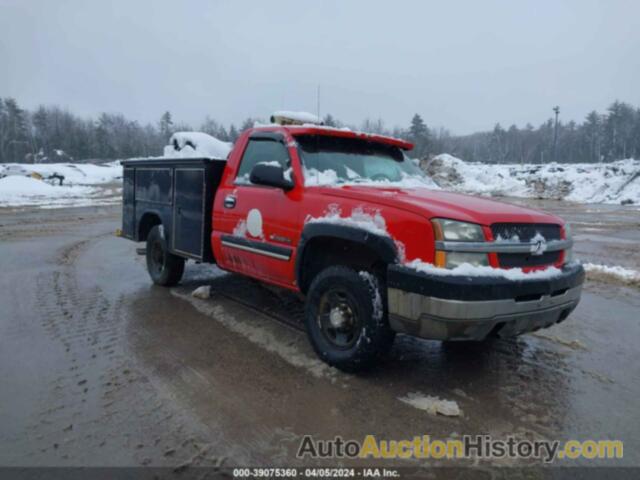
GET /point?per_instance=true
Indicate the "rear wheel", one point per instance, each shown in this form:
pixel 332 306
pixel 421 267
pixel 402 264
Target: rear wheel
pixel 346 320
pixel 164 268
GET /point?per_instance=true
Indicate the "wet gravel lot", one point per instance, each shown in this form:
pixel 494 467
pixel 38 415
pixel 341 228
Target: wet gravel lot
pixel 100 368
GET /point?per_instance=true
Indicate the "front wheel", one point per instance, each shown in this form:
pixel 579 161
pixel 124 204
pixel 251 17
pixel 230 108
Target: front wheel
pixel 164 268
pixel 346 319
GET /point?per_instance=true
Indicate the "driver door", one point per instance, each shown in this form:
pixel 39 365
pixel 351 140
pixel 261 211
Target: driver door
pixel 263 220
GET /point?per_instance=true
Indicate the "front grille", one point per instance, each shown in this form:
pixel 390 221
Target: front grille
pixel 525 232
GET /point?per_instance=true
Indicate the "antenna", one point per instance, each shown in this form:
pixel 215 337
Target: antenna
pixel 318 100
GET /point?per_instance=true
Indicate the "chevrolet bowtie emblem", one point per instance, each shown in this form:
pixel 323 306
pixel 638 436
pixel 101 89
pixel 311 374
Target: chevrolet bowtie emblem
pixel 539 247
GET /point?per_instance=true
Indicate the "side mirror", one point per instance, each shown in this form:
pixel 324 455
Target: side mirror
pixel 270 175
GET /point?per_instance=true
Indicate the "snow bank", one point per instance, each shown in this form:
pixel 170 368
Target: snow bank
pixel 616 182
pixel 372 222
pixel 616 273
pixel 33 185
pixel 73 173
pixel 469 270
pixel 433 405
pixel 16 191
pixel 196 144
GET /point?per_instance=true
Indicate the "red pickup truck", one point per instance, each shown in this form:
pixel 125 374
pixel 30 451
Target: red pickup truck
pixel 350 221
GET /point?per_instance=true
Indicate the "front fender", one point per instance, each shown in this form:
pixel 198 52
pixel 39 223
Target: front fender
pixel 382 245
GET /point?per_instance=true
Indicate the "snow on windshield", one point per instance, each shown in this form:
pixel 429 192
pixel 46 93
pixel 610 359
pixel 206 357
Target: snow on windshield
pixel 334 161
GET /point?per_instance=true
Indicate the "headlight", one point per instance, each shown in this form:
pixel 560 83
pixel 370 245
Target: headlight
pixel 457 231
pixel 454 231
pixel 455 259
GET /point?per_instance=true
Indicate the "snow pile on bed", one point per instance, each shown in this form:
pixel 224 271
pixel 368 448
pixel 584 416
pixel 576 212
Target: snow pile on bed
pixel 195 145
pixel 433 405
pixel 615 273
pixel 616 182
pixel 73 173
pixel 372 222
pixel 468 270
pixel 16 191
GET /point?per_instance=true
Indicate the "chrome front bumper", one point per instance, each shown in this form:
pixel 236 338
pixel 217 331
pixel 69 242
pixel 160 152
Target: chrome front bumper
pixel 473 308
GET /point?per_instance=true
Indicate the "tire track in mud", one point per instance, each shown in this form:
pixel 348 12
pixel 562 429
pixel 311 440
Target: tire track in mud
pixel 98 405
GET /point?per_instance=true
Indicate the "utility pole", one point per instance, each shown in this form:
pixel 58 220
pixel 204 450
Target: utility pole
pixel 556 109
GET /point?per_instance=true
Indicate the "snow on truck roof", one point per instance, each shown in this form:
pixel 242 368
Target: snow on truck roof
pixel 313 129
pixel 304 123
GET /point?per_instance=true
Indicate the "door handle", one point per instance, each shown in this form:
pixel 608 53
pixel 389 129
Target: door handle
pixel 229 201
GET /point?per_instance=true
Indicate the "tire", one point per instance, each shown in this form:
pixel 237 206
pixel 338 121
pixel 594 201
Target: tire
pixel 346 318
pixel 164 268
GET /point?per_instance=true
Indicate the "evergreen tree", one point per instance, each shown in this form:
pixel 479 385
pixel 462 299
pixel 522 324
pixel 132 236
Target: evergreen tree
pixel 592 131
pixel 420 136
pixel 233 133
pixel 166 126
pixel 329 121
pixel 16 142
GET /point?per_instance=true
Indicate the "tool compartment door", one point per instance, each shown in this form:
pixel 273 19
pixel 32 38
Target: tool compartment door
pixel 188 212
pixel 128 203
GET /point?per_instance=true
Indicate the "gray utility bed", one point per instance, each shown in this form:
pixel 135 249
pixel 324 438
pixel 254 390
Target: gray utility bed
pixel 177 193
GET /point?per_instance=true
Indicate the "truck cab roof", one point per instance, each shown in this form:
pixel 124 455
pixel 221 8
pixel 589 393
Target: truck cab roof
pixel 310 129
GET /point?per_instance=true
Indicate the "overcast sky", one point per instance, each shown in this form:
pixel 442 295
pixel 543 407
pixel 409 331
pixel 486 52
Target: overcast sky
pixel 462 65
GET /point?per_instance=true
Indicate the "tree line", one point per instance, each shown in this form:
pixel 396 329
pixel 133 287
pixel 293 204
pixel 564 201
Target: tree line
pixel 53 134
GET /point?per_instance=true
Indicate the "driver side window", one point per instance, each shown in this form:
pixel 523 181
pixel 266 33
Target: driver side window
pixel 261 151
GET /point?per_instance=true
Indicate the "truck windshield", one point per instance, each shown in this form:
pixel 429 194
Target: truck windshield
pixel 330 160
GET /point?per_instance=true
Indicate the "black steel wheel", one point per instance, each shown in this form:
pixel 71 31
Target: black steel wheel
pixel 164 268
pixel 346 320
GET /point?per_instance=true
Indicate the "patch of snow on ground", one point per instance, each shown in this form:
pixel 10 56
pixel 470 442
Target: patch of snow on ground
pixel 203 292
pixel 196 144
pixel 621 274
pixel 615 182
pixel 268 337
pixel 371 222
pixel 468 270
pixel 433 405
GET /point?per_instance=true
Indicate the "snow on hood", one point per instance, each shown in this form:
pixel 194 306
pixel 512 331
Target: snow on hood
pixel 196 144
pixel 616 182
pixel 438 203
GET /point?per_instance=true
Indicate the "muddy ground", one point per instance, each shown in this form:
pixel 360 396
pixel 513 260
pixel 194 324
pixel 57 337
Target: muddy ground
pixel 100 368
